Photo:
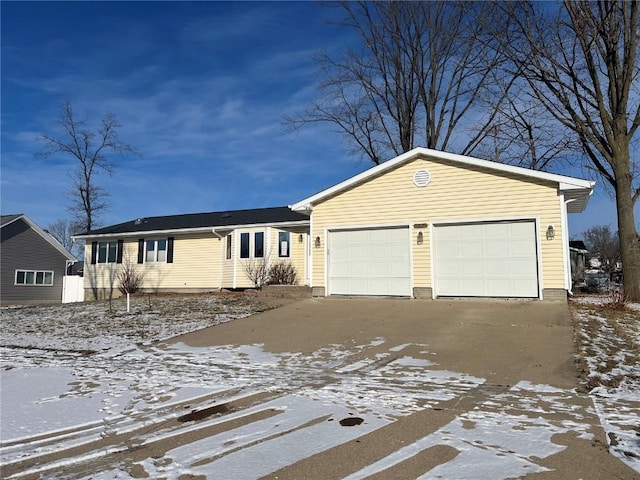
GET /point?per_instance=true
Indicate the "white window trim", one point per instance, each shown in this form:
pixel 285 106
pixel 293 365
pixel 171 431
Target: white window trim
pixel 106 260
pixel 288 255
pixel 248 237
pixel 35 273
pixel 252 244
pixel 155 250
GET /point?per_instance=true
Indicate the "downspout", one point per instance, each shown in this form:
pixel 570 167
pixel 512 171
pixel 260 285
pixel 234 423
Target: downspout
pixel 565 246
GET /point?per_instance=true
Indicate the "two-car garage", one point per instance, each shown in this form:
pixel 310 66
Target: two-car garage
pixel 478 259
pixel 431 224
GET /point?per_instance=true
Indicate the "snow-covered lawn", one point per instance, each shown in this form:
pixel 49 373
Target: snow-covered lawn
pixel 608 344
pixel 86 393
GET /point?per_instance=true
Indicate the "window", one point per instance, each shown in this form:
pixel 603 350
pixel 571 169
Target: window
pixel 229 247
pixel 32 277
pixel 108 252
pixel 244 245
pixel 284 239
pixel 156 251
pixel 258 245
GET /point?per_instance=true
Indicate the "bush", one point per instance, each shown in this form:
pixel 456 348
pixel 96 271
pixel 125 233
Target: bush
pixel 283 273
pixel 616 300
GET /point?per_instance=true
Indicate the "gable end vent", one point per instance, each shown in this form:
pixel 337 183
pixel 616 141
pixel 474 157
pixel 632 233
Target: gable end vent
pixel 421 178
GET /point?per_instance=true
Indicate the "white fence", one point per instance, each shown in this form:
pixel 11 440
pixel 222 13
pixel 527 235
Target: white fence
pixel 72 288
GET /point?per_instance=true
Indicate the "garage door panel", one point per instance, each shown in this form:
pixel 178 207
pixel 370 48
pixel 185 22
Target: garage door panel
pixel 496 259
pixel 469 249
pixel 370 262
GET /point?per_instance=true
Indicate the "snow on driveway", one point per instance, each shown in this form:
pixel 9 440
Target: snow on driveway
pixel 136 409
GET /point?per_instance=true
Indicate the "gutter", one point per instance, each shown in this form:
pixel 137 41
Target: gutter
pixel 565 244
pixel 191 230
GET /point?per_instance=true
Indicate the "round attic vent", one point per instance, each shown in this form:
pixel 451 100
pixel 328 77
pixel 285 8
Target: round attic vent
pixel 421 178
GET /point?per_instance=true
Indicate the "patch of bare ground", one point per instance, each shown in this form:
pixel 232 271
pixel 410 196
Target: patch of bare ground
pixel 607 337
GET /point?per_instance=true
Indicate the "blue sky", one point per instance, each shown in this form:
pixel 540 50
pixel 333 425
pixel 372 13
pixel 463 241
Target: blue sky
pixel 200 90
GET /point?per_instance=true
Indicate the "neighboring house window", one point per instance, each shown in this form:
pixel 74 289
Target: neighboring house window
pixel 284 240
pixel 258 245
pixel 229 247
pixel 244 245
pixel 106 252
pixel 34 277
pixel 156 251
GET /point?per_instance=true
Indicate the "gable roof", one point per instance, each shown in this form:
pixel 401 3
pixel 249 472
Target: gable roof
pixel 9 219
pixel 577 191
pixel 194 222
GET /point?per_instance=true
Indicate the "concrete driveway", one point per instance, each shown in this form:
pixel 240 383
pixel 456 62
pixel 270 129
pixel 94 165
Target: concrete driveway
pixel 521 412
pixel 336 389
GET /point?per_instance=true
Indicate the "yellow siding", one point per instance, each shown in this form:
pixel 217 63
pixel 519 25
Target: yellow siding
pixel 196 265
pixel 298 254
pixel 454 193
pixel 234 270
pixel 199 262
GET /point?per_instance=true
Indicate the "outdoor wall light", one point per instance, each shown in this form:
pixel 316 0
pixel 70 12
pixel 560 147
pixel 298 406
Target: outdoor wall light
pixel 420 238
pixel 551 233
pixel 300 238
pixel 317 242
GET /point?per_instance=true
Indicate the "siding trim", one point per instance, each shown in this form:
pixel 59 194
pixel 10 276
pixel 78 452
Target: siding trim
pixel 565 242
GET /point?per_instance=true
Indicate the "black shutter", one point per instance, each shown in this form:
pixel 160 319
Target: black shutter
pixel 170 250
pixel 94 252
pixel 119 252
pixel 141 250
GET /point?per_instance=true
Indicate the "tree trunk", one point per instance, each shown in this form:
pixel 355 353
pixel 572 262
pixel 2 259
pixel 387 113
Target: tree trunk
pixel 629 245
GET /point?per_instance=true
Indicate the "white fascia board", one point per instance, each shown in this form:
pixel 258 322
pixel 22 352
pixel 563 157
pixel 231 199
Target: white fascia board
pixel 421 152
pixel 211 229
pixel 47 236
pixel 143 233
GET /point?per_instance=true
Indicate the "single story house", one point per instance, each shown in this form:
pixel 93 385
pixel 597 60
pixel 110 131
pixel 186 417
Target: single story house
pixel 32 262
pixel 425 224
pixel 195 252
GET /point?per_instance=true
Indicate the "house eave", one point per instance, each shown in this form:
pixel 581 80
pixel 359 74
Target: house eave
pixel 207 229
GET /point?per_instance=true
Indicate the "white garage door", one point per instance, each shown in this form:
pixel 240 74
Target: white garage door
pixel 369 262
pixel 496 259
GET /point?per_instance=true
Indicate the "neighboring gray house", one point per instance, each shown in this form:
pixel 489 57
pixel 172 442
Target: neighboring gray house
pixel 32 262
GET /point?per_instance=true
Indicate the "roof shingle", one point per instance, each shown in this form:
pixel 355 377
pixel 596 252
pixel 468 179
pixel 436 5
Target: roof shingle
pixel 229 218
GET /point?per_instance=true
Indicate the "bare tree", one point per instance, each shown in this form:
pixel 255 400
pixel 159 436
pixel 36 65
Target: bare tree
pixel 62 230
pixel 522 132
pixel 129 280
pixel 91 149
pixel 415 80
pixel 605 245
pixel 581 64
